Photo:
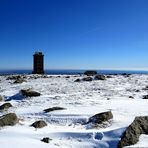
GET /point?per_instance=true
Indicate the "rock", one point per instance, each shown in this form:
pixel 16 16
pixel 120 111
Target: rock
pixel 77 80
pixel 1 98
pixel 87 79
pixel 8 120
pixel 137 90
pixel 29 93
pixel 5 106
pixel 90 73
pixel 14 77
pixel 133 132
pixel 39 124
pixel 100 77
pixel 53 109
pixel 67 77
pixel 101 117
pixel 46 140
pixel 145 97
pixel 131 97
pixel 109 77
pixel 146 88
pixel 20 80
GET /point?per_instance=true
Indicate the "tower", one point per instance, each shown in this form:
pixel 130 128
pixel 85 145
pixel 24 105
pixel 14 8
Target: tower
pixel 38 63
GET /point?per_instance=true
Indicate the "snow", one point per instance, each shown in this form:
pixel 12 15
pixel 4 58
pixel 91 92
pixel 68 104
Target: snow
pixel 81 100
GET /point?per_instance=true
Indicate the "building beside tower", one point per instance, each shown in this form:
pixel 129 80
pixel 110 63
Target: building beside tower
pixel 38 63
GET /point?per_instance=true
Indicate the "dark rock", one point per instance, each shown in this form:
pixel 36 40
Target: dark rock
pixel 5 106
pixel 137 90
pixel 146 88
pixel 87 79
pixel 77 80
pixel 67 77
pixel 131 97
pixel 29 93
pixel 101 117
pixel 90 73
pixel 8 120
pixel 109 77
pixel 100 77
pixel 14 77
pixel 133 132
pixel 39 124
pixel 53 109
pixel 46 140
pixel 1 98
pixel 145 97
pixel 21 80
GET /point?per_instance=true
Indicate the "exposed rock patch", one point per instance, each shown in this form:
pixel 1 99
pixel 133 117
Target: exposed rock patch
pixel 53 109
pixel 8 120
pixel 29 93
pixel 5 106
pixel 100 77
pixel 20 80
pixel 133 132
pixel 101 117
pixel 1 98
pixel 46 140
pixel 145 97
pixel 87 79
pixel 77 80
pixel 39 124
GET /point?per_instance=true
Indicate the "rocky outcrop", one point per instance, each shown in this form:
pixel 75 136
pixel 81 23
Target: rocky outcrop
pixel 101 117
pixel 53 109
pixel 8 120
pixel 90 73
pixel 87 79
pixel 39 124
pixel 5 106
pixel 145 97
pixel 133 132
pixel 77 80
pixel 46 140
pixel 29 93
pixel 18 81
pixel 100 77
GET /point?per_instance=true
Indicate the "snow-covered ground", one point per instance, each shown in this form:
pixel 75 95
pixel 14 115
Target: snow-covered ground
pixel 81 100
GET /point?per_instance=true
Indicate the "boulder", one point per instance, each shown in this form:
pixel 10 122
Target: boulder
pixel 29 93
pixel 100 77
pixel 8 120
pixel 53 109
pixel 87 79
pixel 133 132
pixel 77 80
pixel 145 97
pixel 131 97
pixel 1 98
pixel 14 77
pixel 90 73
pixel 101 117
pixel 5 106
pixel 39 124
pixel 18 81
pixel 46 140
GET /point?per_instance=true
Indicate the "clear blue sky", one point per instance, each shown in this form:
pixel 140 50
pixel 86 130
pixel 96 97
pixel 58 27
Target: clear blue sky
pixel 74 34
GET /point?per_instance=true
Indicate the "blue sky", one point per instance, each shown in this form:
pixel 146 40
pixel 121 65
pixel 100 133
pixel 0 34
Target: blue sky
pixel 74 34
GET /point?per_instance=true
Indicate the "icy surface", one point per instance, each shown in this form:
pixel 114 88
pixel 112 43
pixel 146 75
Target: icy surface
pixel 82 100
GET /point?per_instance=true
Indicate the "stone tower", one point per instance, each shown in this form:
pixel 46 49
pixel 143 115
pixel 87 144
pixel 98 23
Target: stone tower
pixel 38 63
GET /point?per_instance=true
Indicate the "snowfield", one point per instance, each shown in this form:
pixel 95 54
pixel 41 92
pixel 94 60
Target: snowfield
pixel 81 100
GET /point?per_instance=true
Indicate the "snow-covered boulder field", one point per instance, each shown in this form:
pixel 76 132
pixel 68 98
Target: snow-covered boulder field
pixel 55 111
